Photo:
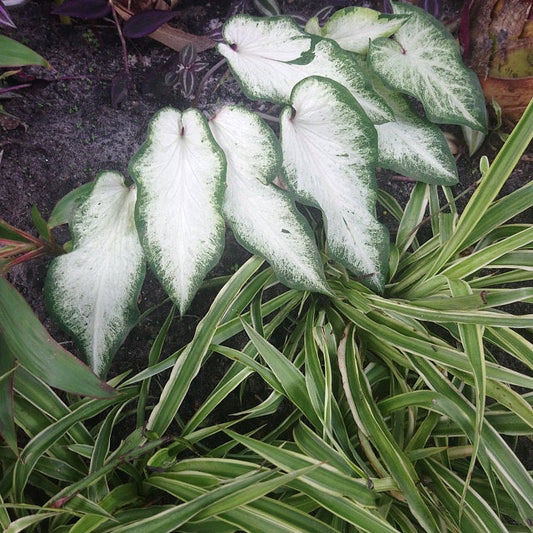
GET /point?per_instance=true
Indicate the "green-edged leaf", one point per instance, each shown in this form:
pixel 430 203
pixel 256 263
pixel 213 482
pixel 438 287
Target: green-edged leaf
pixel 423 60
pixel 270 56
pixel 93 290
pixel 262 216
pixel 412 146
pixel 329 153
pixel 180 173
pixel 354 27
pixel 15 54
pixel 25 339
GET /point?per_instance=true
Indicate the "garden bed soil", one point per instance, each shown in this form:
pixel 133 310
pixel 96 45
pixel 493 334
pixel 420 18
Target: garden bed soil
pixel 63 130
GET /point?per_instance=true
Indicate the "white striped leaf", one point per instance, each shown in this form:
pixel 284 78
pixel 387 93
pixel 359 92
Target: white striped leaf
pixel 93 290
pixel 413 146
pixel 329 155
pixel 270 56
pixel 262 216
pixel 354 27
pixel 269 8
pixel 180 174
pixel 423 60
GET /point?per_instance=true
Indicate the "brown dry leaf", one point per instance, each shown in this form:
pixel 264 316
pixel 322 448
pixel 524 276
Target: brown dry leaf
pixel 172 37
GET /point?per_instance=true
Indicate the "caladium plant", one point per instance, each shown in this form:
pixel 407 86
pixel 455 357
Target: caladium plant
pixel 345 109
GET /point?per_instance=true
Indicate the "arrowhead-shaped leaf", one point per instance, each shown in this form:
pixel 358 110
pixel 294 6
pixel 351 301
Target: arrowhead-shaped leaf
pixel 270 56
pixel 93 290
pixel 329 155
pixel 352 28
pixel 180 173
pixel 262 216
pixel 423 60
pixel 413 146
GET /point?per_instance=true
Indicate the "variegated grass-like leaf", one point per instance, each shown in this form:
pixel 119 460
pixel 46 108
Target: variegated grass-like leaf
pixel 354 27
pixel 180 173
pixel 261 215
pixel 269 56
pixel 93 290
pixel 329 153
pixel 423 60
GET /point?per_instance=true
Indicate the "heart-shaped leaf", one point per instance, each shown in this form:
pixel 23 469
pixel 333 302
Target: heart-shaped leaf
pixel 93 290
pixel 180 173
pixel 269 56
pixel 329 156
pixel 352 28
pixel 423 60
pixel 262 216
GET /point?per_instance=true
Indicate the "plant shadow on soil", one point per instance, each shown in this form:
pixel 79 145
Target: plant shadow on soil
pixel 65 131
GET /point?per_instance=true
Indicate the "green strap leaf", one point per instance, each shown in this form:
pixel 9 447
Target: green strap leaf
pixel 270 56
pixel 93 290
pixel 15 54
pixel 23 338
pixel 262 216
pixel 423 60
pixel 354 27
pixel 329 155
pixel 180 173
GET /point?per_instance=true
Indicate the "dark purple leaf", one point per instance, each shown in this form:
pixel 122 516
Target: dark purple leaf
pixel 387 6
pixel 238 6
pixel 188 55
pixel 83 9
pixel 432 7
pixel 146 22
pixel 5 19
pixel 299 19
pixel 464 28
pixel 187 82
pixel 119 88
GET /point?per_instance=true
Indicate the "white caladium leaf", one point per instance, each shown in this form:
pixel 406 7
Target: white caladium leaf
pixel 329 155
pixel 270 56
pixel 354 27
pixel 412 146
pixel 262 216
pixel 93 290
pixel 423 60
pixel 180 174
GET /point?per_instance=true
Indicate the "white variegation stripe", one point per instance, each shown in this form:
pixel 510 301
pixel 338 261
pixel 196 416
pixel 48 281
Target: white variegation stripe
pixel 180 172
pixel 423 60
pixel 270 56
pixel 329 154
pixel 262 216
pixel 93 290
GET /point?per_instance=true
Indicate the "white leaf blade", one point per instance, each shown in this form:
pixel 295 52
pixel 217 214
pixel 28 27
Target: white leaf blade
pixel 93 290
pixel 329 155
pixel 352 28
pixel 180 172
pixel 270 56
pixel 262 216
pixel 414 147
pixel 423 60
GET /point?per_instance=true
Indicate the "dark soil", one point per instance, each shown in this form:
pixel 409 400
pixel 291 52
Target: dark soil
pixel 66 131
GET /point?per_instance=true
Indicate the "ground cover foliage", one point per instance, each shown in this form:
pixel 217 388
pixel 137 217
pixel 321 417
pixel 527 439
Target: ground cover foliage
pixel 386 411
